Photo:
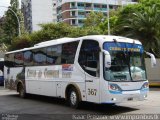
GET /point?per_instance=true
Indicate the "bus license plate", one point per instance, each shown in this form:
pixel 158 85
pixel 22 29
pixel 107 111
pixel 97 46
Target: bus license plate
pixel 130 99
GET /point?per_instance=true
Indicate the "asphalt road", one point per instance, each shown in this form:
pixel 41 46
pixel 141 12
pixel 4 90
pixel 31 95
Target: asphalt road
pixel 47 108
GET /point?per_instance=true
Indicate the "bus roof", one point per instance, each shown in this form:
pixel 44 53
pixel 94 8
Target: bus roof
pixel 100 38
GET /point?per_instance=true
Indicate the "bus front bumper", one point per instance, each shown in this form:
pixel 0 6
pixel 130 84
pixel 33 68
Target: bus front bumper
pixel 124 96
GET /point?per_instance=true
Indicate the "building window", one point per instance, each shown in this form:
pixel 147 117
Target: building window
pixel 73 22
pixel 111 7
pixel 73 13
pixel 80 5
pixel 81 14
pixel 104 6
pixel 96 6
pixel 87 13
pixel 72 5
pixel 88 5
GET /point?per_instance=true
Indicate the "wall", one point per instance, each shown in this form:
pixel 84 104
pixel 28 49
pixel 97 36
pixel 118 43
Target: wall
pixel 43 11
pixel 153 74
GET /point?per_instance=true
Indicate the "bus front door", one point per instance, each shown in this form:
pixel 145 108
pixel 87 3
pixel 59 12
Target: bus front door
pixel 89 62
pixel 92 89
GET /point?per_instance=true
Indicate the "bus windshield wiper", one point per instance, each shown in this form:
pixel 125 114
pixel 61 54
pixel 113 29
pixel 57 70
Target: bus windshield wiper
pixel 128 62
pixel 129 66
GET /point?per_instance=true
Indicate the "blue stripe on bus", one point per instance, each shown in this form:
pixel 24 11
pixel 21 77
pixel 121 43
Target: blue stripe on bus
pixel 120 92
pixel 115 92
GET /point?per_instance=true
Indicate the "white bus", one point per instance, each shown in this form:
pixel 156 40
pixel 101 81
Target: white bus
pixel 96 68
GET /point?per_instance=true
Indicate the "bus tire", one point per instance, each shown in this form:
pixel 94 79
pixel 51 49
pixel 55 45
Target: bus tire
pixel 21 91
pixel 73 98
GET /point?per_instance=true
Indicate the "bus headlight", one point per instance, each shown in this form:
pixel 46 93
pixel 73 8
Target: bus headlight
pixel 145 85
pixel 114 87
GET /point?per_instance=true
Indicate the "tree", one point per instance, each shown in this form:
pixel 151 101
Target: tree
pixel 145 26
pixel 113 19
pixel 49 32
pixel 11 23
pixel 20 42
pixel 94 19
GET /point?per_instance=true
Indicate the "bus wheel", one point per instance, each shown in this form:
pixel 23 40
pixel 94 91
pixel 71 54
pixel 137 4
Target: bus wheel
pixel 21 91
pixel 73 98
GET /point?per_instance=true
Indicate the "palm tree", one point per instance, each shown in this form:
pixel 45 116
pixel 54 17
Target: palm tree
pixel 144 26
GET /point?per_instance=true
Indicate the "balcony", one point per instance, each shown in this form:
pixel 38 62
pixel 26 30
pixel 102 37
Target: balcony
pixel 73 16
pixel 88 6
pixel 81 6
pixel 73 7
pixel 81 16
pixel 97 9
pixel 104 9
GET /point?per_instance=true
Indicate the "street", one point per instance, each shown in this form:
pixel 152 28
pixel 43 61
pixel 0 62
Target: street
pixel 40 107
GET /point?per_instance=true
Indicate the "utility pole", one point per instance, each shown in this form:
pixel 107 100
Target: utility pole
pixel 108 17
pixel 19 30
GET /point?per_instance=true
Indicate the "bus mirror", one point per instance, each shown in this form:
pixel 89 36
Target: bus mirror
pixel 107 59
pixel 153 59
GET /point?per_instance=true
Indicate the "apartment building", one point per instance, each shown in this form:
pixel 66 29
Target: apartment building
pixel 74 12
pixel 37 12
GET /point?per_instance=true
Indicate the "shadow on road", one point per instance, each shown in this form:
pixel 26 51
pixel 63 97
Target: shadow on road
pixel 105 108
pixel 85 107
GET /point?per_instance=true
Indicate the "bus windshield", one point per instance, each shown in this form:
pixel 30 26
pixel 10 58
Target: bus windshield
pixel 127 62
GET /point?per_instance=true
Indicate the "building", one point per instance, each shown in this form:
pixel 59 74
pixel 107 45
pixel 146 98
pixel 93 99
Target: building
pixel 74 12
pixel 37 12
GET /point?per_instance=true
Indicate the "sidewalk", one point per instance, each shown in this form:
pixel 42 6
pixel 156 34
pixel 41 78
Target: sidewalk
pixel 4 91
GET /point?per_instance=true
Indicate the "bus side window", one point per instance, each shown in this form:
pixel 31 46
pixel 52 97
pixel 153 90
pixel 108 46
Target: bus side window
pixel 89 57
pixel 9 60
pixel 39 56
pixel 28 58
pixel 54 55
pixel 18 59
pixel 69 52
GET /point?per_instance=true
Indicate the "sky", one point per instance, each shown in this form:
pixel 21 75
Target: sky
pixel 3 3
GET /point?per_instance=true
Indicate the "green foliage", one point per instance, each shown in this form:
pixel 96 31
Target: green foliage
pixel 52 31
pixel 146 26
pixel 112 21
pixel 94 19
pixel 139 21
pixel 20 42
pixel 148 3
pixel 10 26
pixel 93 24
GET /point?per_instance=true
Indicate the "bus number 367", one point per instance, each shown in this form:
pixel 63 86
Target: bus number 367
pixel 92 91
